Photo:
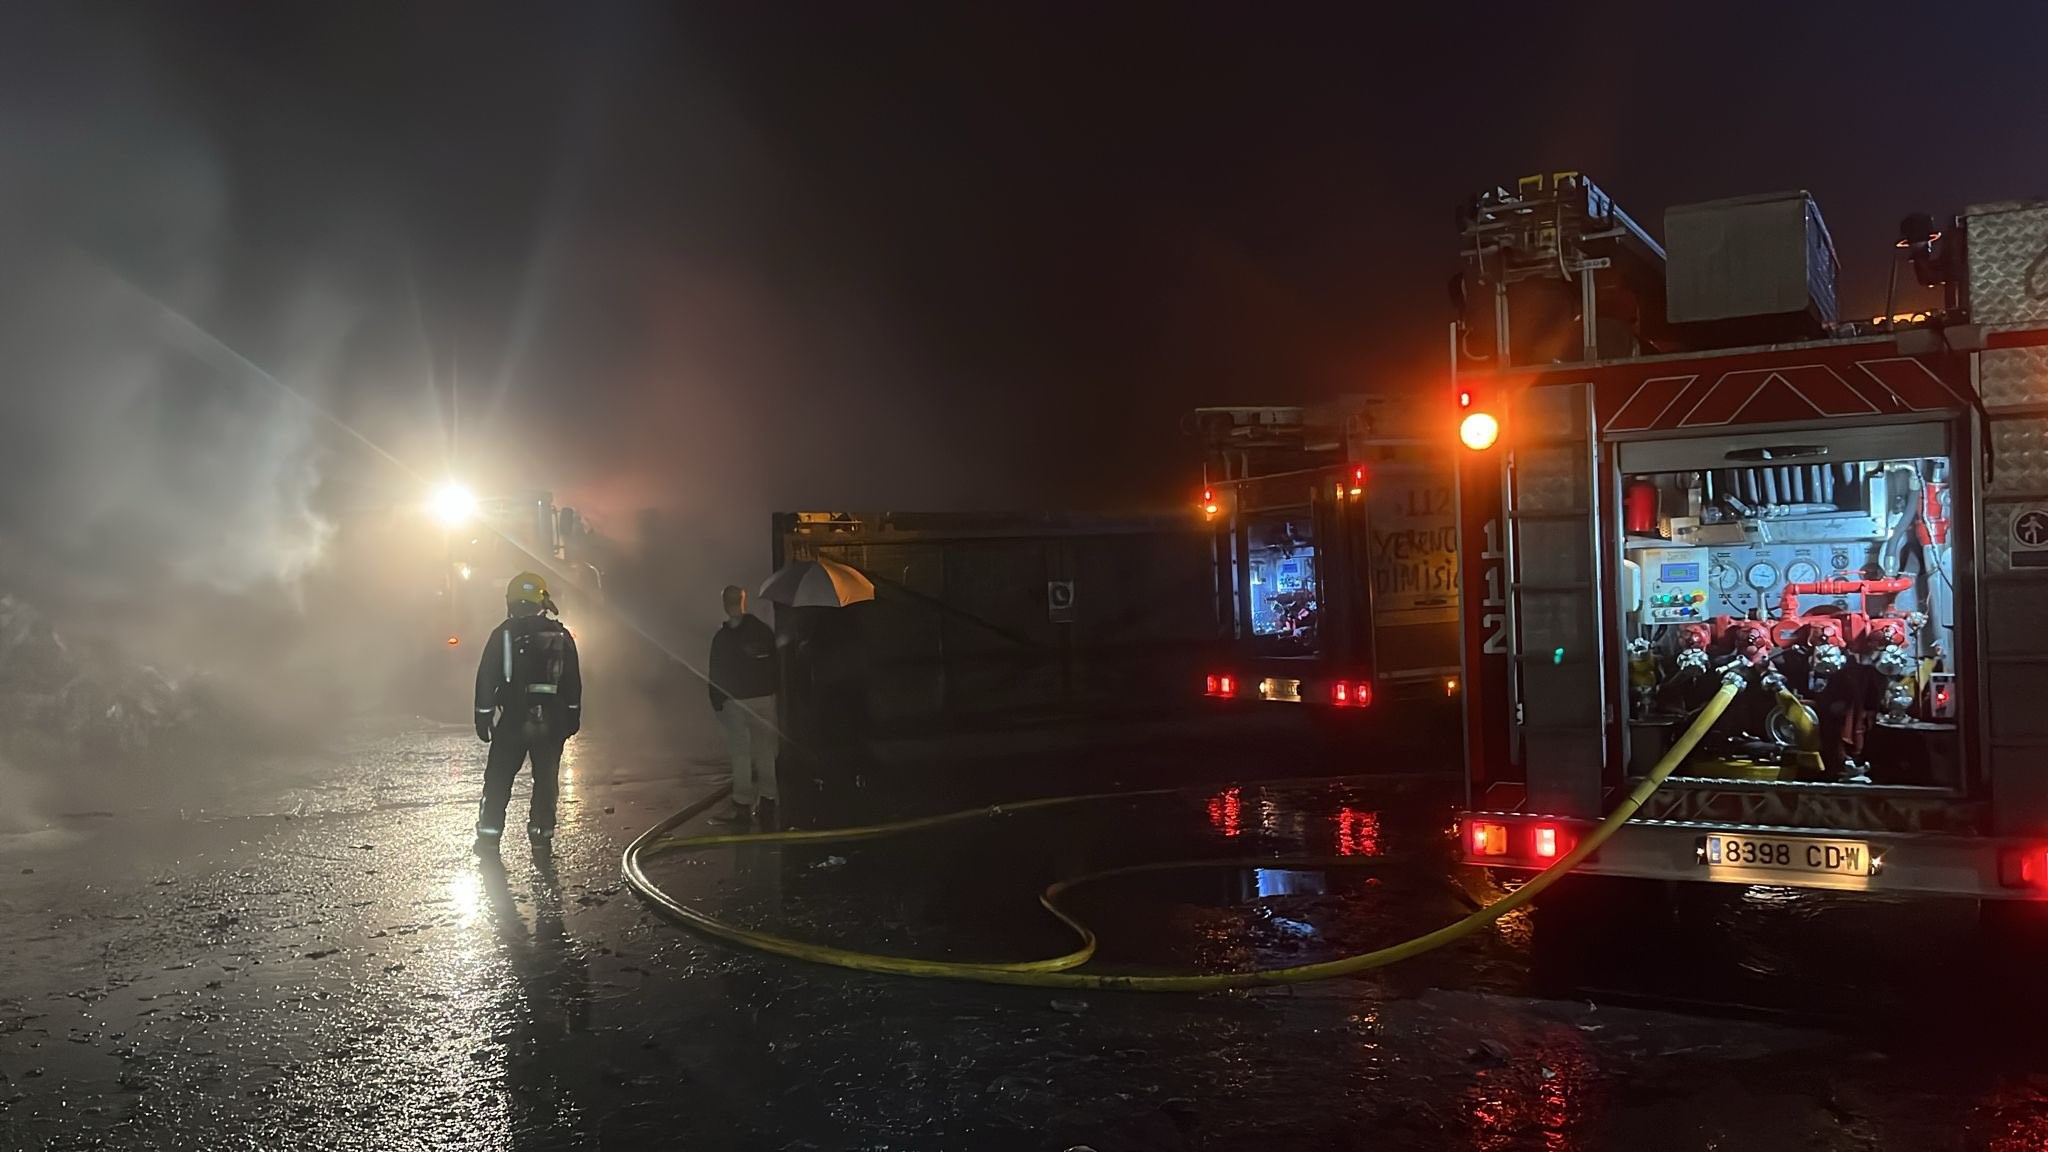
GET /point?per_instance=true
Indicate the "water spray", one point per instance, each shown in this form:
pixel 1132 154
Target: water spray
pixel 451 502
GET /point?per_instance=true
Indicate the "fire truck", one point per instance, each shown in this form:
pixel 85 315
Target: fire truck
pixel 485 543
pixel 1334 554
pixel 1680 462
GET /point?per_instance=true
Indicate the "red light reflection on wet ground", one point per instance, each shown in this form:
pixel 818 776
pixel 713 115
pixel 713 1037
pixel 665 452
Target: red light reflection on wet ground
pixel 2013 1117
pixel 1547 1092
pixel 1358 833
pixel 1226 811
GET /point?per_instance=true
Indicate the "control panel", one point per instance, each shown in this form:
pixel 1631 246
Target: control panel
pixel 1674 584
pixel 1746 582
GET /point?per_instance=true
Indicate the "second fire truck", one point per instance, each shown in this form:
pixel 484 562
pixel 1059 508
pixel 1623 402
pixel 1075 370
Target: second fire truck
pixel 1335 555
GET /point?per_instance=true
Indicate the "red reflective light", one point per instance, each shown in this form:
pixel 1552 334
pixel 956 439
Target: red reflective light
pixel 1546 842
pixel 1941 697
pixel 2023 867
pixel 1488 839
pixel 1219 684
pixel 1351 693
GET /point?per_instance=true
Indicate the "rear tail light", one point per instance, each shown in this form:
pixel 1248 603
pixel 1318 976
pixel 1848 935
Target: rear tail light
pixel 1351 693
pixel 1531 844
pixel 1220 684
pixel 2023 867
pixel 1488 839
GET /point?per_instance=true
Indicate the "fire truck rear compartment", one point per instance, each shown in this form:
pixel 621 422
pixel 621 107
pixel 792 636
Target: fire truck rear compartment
pixel 1845 514
pixel 1831 592
pixel 1826 580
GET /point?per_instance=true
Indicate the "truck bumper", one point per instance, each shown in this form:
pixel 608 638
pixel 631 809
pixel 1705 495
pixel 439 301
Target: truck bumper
pixel 1837 860
pixel 1315 686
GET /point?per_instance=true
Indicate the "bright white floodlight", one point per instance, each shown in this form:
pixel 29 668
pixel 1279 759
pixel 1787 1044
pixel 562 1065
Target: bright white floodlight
pixel 452 504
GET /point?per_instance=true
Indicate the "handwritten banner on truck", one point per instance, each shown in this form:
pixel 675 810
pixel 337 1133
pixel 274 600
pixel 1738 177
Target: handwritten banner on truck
pixel 1414 542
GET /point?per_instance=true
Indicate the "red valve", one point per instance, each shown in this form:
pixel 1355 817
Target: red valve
pixel 1788 604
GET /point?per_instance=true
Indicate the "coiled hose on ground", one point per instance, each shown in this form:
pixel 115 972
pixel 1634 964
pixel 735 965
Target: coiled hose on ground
pixel 1057 971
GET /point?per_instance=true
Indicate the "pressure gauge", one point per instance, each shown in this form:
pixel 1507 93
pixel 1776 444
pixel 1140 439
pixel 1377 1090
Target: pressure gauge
pixel 1724 577
pixel 1761 575
pixel 1802 572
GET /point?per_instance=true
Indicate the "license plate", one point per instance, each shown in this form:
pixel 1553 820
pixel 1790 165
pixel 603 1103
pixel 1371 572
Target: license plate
pixel 1835 857
pixel 1284 690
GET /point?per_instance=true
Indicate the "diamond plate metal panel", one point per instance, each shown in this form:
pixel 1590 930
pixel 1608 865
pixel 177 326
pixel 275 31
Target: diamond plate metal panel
pixel 2016 624
pixel 2022 791
pixel 2019 452
pixel 1552 552
pixel 1997 536
pixel 2013 377
pixel 1564 697
pixel 1552 479
pixel 1564 772
pixel 1556 622
pixel 1554 412
pixel 2008 255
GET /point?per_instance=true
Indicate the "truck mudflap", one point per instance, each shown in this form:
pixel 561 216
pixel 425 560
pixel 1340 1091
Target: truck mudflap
pixel 1833 859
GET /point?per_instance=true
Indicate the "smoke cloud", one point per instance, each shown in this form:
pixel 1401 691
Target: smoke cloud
pixel 164 506
pixel 244 274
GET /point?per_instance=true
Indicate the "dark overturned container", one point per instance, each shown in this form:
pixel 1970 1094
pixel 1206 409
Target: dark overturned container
pixel 1750 270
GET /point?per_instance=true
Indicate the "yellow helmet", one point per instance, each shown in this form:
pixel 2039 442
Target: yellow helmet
pixel 527 588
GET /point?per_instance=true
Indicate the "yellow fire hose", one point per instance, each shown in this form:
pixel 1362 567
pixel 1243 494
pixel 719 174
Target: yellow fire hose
pixel 1055 972
pixel 1805 760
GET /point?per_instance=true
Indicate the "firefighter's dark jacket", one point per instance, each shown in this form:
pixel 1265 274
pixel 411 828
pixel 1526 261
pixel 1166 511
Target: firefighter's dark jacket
pixel 529 661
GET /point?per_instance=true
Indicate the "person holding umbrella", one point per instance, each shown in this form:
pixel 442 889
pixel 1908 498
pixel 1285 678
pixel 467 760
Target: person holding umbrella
pixel 743 680
pixel 824 692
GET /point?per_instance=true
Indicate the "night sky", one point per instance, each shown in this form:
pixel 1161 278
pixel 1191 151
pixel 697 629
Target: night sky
pixel 728 257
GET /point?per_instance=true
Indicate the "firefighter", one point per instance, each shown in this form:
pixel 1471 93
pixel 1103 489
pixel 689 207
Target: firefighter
pixel 529 701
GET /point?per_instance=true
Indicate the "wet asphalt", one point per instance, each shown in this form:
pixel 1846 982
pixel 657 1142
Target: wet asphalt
pixel 306 953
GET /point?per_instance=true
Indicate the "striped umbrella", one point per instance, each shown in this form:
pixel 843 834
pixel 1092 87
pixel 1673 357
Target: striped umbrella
pixel 817 584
